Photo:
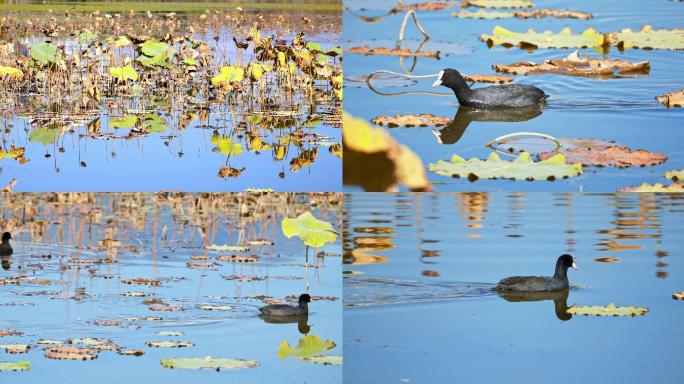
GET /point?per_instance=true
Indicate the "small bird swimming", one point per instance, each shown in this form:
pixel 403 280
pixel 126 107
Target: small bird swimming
pixel 6 247
pixel 288 310
pixel 495 96
pixel 557 282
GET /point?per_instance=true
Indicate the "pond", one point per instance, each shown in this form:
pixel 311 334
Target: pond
pixel 222 99
pixel 420 268
pixel 619 108
pixel 100 274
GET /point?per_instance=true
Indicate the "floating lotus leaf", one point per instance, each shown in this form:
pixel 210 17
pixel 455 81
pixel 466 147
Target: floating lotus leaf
pixel 169 344
pixel 676 296
pixel 127 121
pixel 557 13
pixel 70 353
pixel 308 346
pixel 374 160
pixel 522 168
pixel 123 73
pixel 45 136
pixel 15 366
pixel 15 348
pixel 228 75
pixel 672 99
pixel 422 120
pixel 131 352
pixel 227 248
pixel 170 333
pixel 657 187
pixel 208 363
pixel 648 38
pixel 165 308
pixel 482 14
pixel 677 175
pixel 593 152
pixel 403 52
pixel 226 145
pixel 44 53
pixel 152 122
pixel 573 65
pixel 609 310
pixel 497 3
pixel 142 281
pixel 547 39
pixel 313 232
pixel 10 332
pixel 135 294
pixel 10 72
pixel 238 259
pixel 208 307
pixel 324 359
pixel 428 6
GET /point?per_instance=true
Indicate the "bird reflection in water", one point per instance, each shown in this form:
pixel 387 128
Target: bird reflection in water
pixel 560 300
pixel 453 132
pixel 301 320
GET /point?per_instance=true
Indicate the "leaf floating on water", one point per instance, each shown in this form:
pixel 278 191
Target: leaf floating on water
pixel 258 242
pixel 525 14
pixel 482 14
pixel 169 344
pixel 15 366
pixel 15 348
pixel 226 172
pixel 131 352
pixel 69 353
pixel 422 120
pixel 607 259
pixel 208 363
pixel 313 232
pixel 50 341
pixel 600 153
pixel 308 346
pixel 148 318
pixel 648 38
pixel 491 79
pixel 522 168
pixel 170 333
pixel 10 332
pixel 678 295
pixel 227 248
pixel 676 175
pixel 657 187
pixel 324 360
pixel 497 3
pixel 238 259
pixel 165 308
pixel 547 39
pixel 142 281
pixel 428 6
pixel 136 294
pixel 609 310
pixel 573 65
pixel 208 307
pixel 673 99
pixel 361 256
pixel 402 52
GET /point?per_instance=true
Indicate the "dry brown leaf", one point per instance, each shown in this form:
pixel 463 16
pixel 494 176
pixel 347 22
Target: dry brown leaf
pixel 573 65
pixel 238 259
pixel 131 352
pixel 165 308
pixel 69 353
pixel 142 281
pixel 557 13
pixel 672 99
pixel 10 332
pixel 422 120
pixel 429 6
pixel 405 52
pixel 492 79
pixel 600 153
pixel 678 295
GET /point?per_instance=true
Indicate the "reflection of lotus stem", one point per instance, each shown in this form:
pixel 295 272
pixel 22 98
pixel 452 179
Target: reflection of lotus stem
pixel 403 27
pixel 370 86
pixel 542 135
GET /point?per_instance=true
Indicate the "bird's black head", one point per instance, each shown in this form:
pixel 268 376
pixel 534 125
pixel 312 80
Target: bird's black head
pixel 304 298
pixel 567 261
pixel 6 236
pixel 451 78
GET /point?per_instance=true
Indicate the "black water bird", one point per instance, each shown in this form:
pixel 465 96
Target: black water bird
pixel 288 310
pixel 556 282
pixel 495 96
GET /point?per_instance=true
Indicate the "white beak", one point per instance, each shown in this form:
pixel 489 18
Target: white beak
pixel 438 82
pixel 574 266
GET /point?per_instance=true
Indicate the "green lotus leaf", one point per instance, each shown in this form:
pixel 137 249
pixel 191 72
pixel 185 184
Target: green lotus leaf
pixel 45 136
pixel 314 47
pixel 226 145
pixel 337 51
pixel 227 75
pixel 44 53
pixel 189 61
pixel 85 36
pixel 170 344
pixel 546 39
pixel 324 359
pixel 308 346
pixel 153 48
pixel 500 3
pixel 482 14
pixel 122 41
pixel 226 248
pixel 208 363
pixel 154 61
pixel 676 175
pixel 16 366
pixel 609 310
pixel 154 123
pixel 675 187
pixel 126 121
pixel 15 348
pixel 123 73
pixel 256 71
pixel 313 232
pixel 10 72
pixel 649 38
pixel 522 168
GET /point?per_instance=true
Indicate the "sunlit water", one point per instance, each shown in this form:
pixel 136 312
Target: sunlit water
pixel 624 109
pixel 419 271
pixel 157 238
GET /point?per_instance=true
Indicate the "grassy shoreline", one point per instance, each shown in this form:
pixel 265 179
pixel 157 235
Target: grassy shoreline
pixel 164 7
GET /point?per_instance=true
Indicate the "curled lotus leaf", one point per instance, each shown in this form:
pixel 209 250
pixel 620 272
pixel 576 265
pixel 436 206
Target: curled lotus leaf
pixel 648 38
pixel 169 344
pixel 324 360
pixel 308 346
pixel 497 3
pixel 16 153
pixel 336 149
pixel 594 152
pixel 227 76
pixel 491 79
pixel 15 366
pixel 208 363
pixel 255 71
pixel 675 187
pixel 609 310
pixel 672 99
pixel 225 172
pixel 10 73
pixel 574 65
pixel 521 168
pixel 676 175
pixel 44 53
pixel 123 73
pixel 547 39
pixel 313 232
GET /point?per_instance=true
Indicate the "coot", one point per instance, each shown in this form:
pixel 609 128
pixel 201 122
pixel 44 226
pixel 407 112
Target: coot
pixel 288 310
pixel 496 96
pixel 540 283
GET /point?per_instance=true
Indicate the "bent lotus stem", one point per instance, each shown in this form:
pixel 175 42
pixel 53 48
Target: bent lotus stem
pixel 400 39
pixel 516 134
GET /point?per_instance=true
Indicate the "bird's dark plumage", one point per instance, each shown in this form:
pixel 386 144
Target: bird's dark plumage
pixel 288 310
pixel 556 282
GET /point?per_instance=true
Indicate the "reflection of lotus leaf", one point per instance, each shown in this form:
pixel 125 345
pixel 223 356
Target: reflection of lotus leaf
pixel 609 260
pixel 154 123
pixel 547 39
pixel 523 14
pixel 672 99
pixel 13 153
pixel 10 72
pixel 498 3
pixel 324 359
pixel 675 175
pixel 649 38
pixel 313 232
pixel 226 145
pixel 314 47
pixel 657 187
pixel 16 366
pixel 127 121
pixel 374 242
pixel 255 71
pixel 601 153
pixel 360 256
pixel 208 362
pixel 609 310
pixel 308 346
pixel 522 168
pixel 45 136
pixel 227 75
pixel 44 53
pixel 123 73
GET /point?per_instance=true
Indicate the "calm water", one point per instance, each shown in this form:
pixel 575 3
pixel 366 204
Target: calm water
pixel 624 110
pixel 181 157
pixel 157 236
pixel 420 310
